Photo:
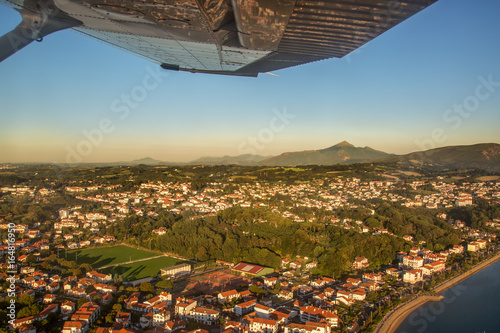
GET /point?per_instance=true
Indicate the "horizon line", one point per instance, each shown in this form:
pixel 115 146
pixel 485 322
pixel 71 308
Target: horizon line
pixel 193 161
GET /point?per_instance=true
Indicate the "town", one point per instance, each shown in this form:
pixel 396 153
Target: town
pixel 88 248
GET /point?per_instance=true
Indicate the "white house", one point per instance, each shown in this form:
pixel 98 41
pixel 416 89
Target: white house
pixel 204 315
pixel 413 276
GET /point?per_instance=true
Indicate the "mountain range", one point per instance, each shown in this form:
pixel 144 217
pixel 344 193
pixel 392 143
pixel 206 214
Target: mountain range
pixel 341 153
pixel 483 156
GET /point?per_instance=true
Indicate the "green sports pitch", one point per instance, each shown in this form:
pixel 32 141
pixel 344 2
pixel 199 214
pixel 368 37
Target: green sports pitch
pixel 142 269
pixel 116 255
pixel 104 256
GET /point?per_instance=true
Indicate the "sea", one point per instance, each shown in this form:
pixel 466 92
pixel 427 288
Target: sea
pixel 472 306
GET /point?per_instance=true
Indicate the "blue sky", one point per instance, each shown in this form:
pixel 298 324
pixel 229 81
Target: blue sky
pixel 401 92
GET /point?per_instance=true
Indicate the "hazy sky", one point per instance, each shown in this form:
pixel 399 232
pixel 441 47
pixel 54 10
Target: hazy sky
pixel 432 81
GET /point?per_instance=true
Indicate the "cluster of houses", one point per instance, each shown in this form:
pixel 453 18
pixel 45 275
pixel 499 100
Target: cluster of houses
pixel 61 301
pixel 33 241
pixel 302 304
pixel 177 197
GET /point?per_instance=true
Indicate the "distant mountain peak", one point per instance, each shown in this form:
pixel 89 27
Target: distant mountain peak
pixel 146 160
pixel 344 144
pixel 341 153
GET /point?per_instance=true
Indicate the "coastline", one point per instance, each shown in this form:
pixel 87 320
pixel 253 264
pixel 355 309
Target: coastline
pixel 457 279
pixel 394 318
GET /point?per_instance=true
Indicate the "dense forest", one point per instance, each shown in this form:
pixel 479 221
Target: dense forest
pixel 260 236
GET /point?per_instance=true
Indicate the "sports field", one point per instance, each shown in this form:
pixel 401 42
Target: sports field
pixel 104 256
pixel 142 269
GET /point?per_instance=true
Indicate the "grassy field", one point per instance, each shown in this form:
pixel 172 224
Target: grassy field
pixel 142 269
pixel 103 256
pixel 244 177
pixel 487 178
pixel 295 169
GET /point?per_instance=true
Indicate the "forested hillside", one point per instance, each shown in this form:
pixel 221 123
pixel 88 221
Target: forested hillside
pixel 260 236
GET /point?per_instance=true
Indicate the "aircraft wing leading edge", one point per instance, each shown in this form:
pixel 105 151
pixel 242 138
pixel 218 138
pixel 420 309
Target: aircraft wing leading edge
pixel 235 37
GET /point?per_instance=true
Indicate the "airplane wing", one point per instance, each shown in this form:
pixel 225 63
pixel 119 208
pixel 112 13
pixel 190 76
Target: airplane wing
pixel 235 37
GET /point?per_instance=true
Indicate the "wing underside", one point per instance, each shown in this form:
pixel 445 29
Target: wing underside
pixel 238 37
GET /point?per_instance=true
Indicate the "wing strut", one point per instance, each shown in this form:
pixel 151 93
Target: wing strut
pixel 41 19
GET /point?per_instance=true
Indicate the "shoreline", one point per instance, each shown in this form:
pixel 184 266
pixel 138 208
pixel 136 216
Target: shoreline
pixel 457 279
pixel 394 318
pixel 398 315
